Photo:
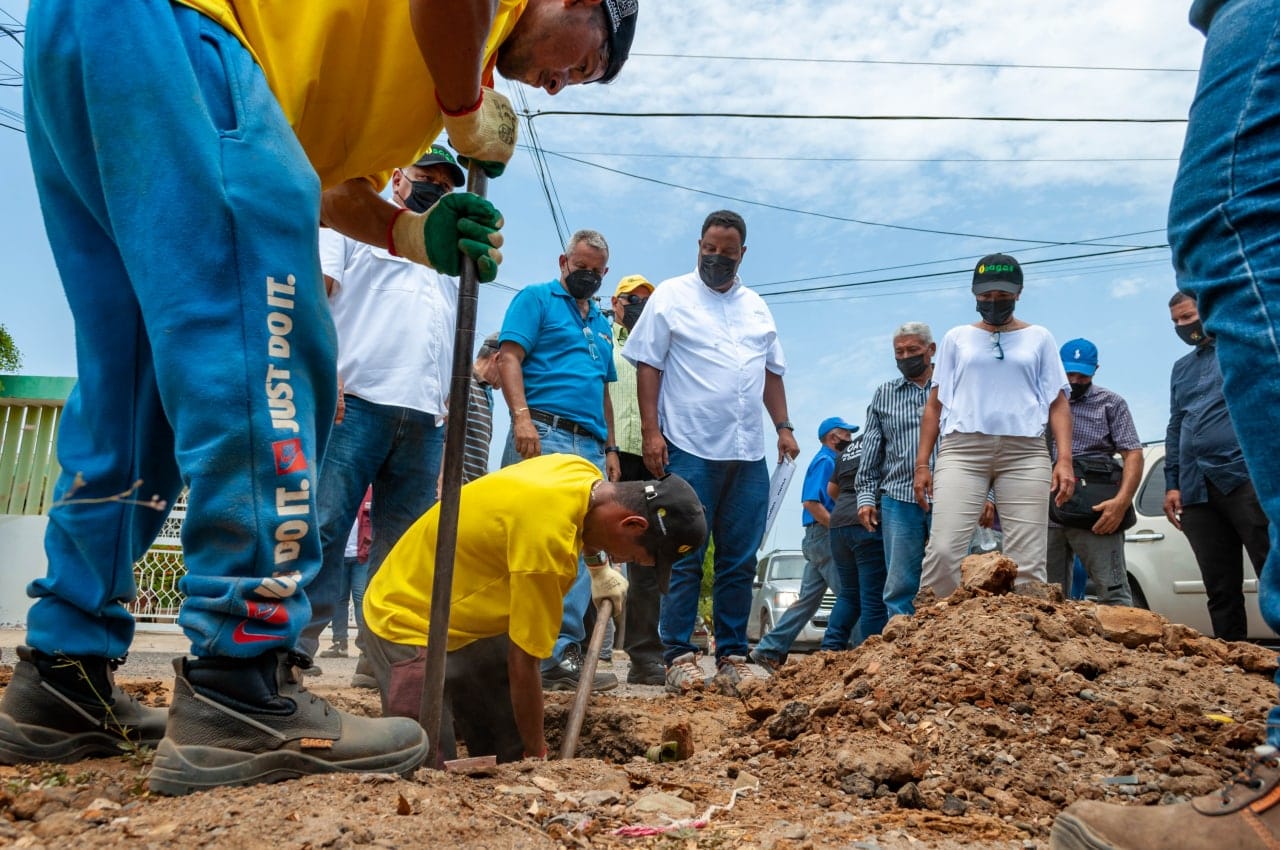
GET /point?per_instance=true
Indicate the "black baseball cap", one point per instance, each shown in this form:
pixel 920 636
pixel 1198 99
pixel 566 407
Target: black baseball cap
pixel 677 524
pixel 620 17
pixel 997 272
pixel 439 155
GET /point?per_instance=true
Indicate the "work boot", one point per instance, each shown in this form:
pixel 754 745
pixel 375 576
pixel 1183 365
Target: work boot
pixel 338 649
pixel 731 671
pixel 363 677
pixel 566 675
pixel 647 673
pixel 1243 816
pixel 685 675
pixel 768 662
pixel 62 708
pixel 240 721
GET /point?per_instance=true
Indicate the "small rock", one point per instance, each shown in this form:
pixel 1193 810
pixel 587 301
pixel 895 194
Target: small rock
pixel 1131 627
pixel 889 761
pixel 953 805
pixel 789 722
pixel 795 832
pixel 664 804
pixel 857 785
pixel 992 572
pixel 595 799
pixel 1021 708
pixel 909 797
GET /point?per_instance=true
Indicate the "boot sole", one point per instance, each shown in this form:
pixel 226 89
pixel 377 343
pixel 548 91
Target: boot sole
pixel 23 743
pixel 179 770
pixel 1070 834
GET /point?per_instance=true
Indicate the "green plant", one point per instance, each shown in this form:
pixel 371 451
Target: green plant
pixel 708 578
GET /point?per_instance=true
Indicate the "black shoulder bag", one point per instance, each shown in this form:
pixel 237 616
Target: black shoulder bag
pixel 1097 480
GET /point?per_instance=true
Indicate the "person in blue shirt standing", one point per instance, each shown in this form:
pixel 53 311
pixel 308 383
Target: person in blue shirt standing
pixel 819 572
pixel 555 358
pixel 1208 493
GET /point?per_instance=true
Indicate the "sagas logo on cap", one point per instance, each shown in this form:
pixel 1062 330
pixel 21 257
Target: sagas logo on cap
pixel 994 268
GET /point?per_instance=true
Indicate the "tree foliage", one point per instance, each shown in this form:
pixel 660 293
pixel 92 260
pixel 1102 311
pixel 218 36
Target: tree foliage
pixel 10 357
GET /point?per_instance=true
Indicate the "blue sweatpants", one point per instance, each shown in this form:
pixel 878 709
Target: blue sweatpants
pixel 182 213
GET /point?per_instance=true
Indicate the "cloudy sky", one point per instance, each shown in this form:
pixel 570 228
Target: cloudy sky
pixel 854 226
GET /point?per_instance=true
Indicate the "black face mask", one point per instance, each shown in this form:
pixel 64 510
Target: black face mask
pixel 582 283
pixel 1078 390
pixel 424 195
pixel 716 270
pixel 997 313
pixel 911 367
pixel 843 444
pixel 631 314
pixel 1192 334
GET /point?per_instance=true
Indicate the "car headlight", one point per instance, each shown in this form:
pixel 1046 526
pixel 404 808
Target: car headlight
pixel 785 598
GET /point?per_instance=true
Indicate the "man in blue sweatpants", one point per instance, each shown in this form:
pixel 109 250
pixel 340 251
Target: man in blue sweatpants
pixel 180 150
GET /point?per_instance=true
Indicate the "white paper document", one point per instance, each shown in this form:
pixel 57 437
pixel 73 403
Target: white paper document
pixel 778 484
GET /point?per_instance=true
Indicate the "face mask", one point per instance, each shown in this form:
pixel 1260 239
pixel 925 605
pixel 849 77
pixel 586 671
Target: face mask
pixel 631 314
pixel 1192 334
pixel 582 283
pixel 1078 391
pixel 716 270
pixel 424 195
pixel 996 313
pixel 843 444
pixel 911 367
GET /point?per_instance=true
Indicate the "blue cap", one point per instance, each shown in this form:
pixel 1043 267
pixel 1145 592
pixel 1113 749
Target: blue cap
pixel 834 422
pixel 1080 356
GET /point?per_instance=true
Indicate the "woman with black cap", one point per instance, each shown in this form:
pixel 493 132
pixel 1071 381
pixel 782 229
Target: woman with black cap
pixel 997 383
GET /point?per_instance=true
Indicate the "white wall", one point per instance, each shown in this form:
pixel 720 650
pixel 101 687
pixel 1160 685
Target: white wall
pixel 22 561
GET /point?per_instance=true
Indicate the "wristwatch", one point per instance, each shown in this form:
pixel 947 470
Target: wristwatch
pixel 785 423
pixel 614 449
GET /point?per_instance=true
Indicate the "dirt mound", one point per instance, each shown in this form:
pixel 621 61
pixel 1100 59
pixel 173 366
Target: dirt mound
pixel 1012 707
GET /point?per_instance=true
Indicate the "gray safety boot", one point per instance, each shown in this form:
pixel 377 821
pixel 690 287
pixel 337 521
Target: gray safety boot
pixel 238 721
pixel 62 708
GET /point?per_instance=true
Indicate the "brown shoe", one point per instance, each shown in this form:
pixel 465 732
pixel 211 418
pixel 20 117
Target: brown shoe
pixel 1243 816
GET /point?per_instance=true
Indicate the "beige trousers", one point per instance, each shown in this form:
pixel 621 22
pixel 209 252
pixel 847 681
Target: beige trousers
pixel 969 465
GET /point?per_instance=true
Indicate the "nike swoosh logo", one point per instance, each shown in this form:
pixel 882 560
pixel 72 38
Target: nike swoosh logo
pixel 243 635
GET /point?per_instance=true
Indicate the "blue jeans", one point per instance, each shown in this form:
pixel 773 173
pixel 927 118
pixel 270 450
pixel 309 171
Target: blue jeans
pixel 355 578
pixel 578 599
pixel 204 344
pixel 858 555
pixel 905 528
pixel 819 574
pixel 1226 250
pixel 735 496
pixel 398 451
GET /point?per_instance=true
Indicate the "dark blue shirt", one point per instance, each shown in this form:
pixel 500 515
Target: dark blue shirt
pixel 567 358
pixel 1201 443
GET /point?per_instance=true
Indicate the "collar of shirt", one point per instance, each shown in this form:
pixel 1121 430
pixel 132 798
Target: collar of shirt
pixel 620 333
pixel 902 381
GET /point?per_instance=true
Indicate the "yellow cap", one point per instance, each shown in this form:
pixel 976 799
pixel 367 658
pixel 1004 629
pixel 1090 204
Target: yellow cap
pixel 631 283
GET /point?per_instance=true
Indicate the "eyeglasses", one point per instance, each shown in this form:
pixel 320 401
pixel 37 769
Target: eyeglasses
pixel 631 298
pixel 995 345
pixel 591 343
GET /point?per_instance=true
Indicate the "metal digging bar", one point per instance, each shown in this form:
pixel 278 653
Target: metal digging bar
pixel 432 704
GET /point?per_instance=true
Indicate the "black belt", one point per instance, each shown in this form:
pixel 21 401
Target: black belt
pixel 562 423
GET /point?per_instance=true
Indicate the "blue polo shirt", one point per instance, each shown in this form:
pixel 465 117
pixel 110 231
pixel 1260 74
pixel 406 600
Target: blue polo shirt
pixel 815 483
pixel 567 359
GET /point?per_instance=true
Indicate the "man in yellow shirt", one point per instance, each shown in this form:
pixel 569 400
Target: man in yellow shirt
pixel 520 533
pixel 180 150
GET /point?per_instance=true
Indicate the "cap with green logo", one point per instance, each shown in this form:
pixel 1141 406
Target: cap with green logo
pixel 998 272
pixel 439 155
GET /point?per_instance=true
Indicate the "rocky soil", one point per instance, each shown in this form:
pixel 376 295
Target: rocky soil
pixel 969 725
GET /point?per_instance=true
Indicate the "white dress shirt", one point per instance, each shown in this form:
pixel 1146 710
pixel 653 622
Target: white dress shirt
pixel 713 349
pixel 395 320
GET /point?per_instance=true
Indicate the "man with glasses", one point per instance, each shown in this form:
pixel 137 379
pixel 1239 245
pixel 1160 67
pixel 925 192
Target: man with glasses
pixel 555 358
pixel 707 354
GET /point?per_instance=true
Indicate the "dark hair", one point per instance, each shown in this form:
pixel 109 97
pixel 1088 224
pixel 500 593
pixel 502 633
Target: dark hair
pixel 630 494
pixel 726 218
pixel 1179 297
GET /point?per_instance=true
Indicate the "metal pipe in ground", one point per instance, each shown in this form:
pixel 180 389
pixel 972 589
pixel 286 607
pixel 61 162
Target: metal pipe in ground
pixel 432 704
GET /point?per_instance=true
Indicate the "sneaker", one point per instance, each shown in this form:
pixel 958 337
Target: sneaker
pixel 647 673
pixel 60 708
pixel 732 671
pixel 685 675
pixel 1244 816
pixel 768 662
pixel 565 675
pixel 338 649
pixel 237 721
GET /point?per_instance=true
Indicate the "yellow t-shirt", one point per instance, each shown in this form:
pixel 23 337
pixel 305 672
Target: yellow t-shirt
pixel 519 537
pixel 349 76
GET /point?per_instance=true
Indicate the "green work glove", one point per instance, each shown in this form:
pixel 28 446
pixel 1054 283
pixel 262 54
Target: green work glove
pixel 457 222
pixel 484 133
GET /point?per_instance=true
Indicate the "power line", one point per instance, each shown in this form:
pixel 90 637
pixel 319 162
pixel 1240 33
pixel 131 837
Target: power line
pixel 1017 119
pixel 928 275
pixel 543 169
pixel 998 65
pixel 827 216
pixel 779 158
